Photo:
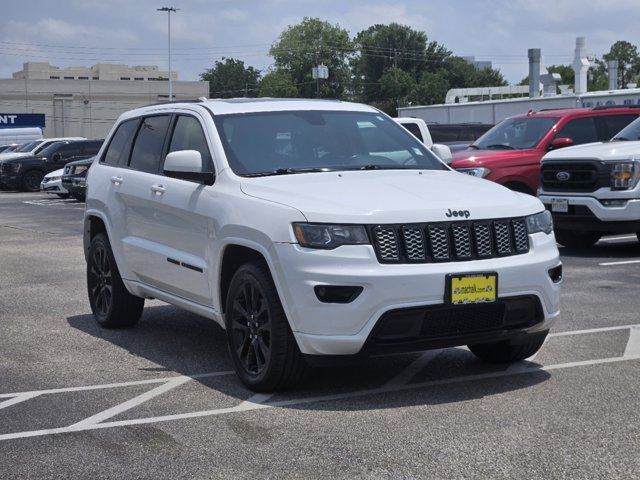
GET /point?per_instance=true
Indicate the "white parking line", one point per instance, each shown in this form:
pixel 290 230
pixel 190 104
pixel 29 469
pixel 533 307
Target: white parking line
pixel 259 401
pixel 624 262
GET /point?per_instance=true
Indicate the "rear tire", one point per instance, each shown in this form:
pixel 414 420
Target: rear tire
pixel 506 352
pixel 572 239
pixel 111 303
pixel 264 351
pixel 31 180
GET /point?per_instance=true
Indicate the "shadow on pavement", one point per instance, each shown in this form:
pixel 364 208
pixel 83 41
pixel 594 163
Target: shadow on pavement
pixel 181 342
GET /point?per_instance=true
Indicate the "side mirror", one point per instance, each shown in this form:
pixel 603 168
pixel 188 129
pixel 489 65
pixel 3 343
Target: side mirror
pixel 187 165
pixel 443 152
pixel 560 142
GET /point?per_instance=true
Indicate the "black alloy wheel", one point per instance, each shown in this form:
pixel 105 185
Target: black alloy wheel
pixel 100 281
pixel 31 180
pixel 251 326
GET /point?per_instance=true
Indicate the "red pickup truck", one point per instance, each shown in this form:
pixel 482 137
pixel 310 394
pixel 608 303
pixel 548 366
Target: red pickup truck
pixel 510 152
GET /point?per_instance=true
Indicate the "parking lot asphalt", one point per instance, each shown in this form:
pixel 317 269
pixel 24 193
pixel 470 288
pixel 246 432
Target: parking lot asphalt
pixel 160 400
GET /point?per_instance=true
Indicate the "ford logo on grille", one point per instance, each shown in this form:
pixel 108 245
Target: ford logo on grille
pixel 563 176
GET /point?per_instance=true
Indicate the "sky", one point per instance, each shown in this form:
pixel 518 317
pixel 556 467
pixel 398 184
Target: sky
pixel 85 32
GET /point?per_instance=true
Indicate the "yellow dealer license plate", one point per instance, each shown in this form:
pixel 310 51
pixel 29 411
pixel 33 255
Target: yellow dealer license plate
pixel 471 288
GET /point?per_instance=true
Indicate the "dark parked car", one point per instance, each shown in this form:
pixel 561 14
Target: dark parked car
pixel 74 178
pixel 457 136
pixel 26 173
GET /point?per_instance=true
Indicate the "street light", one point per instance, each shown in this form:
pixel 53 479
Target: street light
pixel 169 10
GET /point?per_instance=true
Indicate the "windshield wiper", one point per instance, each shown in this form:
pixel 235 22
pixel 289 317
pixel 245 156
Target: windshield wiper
pixel 620 139
pixel 288 171
pixel 474 146
pixel 500 145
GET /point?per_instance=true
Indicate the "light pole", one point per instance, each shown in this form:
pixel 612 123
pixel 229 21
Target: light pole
pixel 169 10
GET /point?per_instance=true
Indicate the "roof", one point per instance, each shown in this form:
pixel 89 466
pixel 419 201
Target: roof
pixel 582 112
pixel 252 105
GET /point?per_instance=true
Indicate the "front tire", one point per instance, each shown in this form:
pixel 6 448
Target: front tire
pixel 63 195
pixel 507 352
pixel 111 303
pixel 264 351
pixel 572 239
pixel 31 180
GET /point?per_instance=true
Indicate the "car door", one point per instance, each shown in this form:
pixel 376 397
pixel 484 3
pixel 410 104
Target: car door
pixel 142 246
pixel 65 154
pixel 182 218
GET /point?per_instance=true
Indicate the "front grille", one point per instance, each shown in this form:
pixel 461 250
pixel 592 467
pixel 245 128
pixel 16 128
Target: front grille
pixel 449 242
pixel 574 176
pixel 6 167
pixel 432 322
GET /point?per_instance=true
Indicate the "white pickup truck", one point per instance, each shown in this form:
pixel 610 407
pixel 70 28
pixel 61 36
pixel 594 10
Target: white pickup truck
pixel 418 128
pixel 594 189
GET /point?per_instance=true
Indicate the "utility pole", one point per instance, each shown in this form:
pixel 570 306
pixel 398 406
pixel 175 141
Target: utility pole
pixel 169 10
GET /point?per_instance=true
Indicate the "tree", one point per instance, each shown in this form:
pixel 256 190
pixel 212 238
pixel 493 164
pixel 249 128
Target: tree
pixel 382 47
pixel 567 75
pixel 230 78
pixel 628 61
pixel 278 84
pixel 461 74
pixel 432 88
pixel 396 84
pixel 313 41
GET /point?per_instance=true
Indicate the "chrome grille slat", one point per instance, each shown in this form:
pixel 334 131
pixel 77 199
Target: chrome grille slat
pixel 450 242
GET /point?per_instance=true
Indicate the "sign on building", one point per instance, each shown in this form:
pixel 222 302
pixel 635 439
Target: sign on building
pixel 13 120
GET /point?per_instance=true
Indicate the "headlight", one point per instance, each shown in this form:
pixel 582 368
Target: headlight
pixel 540 222
pixel 479 172
pixel 81 169
pixel 625 175
pixel 329 236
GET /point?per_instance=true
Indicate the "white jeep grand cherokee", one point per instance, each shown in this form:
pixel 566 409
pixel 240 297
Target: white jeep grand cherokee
pixel 312 230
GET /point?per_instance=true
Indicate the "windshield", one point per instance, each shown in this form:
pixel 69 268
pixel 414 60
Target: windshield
pixel 516 133
pixel 630 132
pixel 27 147
pixel 276 143
pixel 50 149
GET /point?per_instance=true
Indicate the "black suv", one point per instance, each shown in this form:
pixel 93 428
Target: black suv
pixel 74 178
pixel 26 173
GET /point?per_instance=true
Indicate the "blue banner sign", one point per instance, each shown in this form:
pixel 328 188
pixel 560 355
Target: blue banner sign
pixel 13 120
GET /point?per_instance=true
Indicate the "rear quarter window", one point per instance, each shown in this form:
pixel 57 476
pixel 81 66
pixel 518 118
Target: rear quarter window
pixel 120 145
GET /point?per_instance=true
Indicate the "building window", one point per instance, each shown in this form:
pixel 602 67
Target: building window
pixel 83 78
pixel 69 78
pixel 53 77
pixel 95 78
pixel 139 78
pixel 125 78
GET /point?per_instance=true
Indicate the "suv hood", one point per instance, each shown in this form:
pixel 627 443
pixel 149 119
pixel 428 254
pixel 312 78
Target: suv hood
pixel 474 158
pixel 390 196
pixel 12 155
pixel 599 150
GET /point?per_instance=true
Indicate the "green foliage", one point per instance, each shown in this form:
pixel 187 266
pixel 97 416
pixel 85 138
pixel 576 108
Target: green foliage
pixel 313 41
pixel 431 89
pixel 279 84
pixel 230 78
pixel 382 47
pixel 628 61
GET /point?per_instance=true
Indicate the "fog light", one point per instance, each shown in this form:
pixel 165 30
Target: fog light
pixel 337 294
pixel 614 203
pixel 555 274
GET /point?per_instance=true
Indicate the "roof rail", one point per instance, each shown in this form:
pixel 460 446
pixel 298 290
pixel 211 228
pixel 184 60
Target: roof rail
pixel 606 107
pixel 188 100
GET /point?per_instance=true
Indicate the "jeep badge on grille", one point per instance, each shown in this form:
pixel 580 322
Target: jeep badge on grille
pixel 458 213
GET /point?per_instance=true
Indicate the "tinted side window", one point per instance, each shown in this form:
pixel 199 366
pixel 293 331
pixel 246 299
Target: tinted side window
pixel 120 146
pixel 615 123
pixel 70 150
pixel 147 148
pixel 580 130
pixel 91 148
pixel 188 135
pixel 414 129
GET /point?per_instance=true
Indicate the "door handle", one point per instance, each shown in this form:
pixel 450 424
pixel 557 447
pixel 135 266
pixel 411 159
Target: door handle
pixel 158 189
pixel 116 180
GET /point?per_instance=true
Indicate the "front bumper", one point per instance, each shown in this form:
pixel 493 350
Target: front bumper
pixel 588 214
pixel 343 329
pixel 10 181
pixel 54 186
pixel 75 185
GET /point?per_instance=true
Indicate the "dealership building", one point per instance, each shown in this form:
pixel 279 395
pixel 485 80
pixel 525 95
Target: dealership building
pixel 86 101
